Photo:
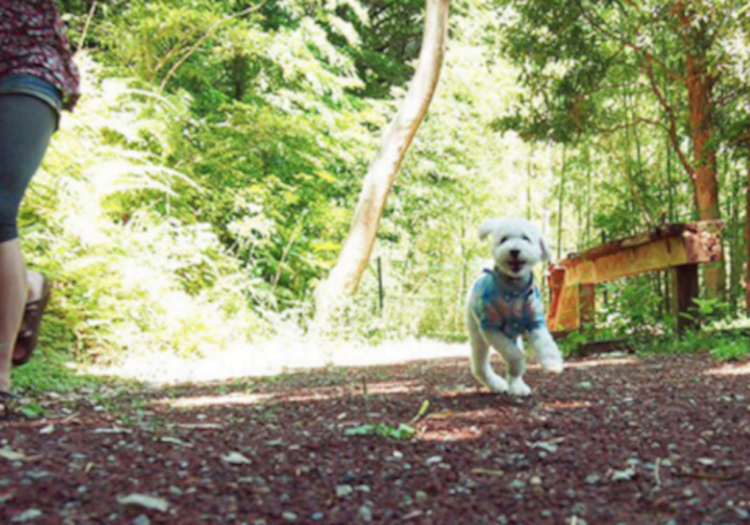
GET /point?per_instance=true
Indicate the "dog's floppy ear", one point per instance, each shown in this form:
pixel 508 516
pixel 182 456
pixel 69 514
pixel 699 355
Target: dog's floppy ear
pixel 487 227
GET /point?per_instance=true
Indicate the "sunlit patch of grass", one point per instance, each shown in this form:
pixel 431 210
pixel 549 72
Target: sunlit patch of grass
pixel 51 371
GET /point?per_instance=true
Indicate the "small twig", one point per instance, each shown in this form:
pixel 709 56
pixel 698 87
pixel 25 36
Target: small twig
pixel 708 476
pixel 287 249
pixel 86 25
pixel 68 419
pixel 205 37
pixel 657 476
pixel 365 397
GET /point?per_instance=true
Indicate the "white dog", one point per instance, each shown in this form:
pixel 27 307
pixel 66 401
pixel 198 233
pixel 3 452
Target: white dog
pixel 504 303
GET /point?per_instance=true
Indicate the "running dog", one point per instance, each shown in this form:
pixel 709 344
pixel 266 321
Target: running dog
pixel 505 304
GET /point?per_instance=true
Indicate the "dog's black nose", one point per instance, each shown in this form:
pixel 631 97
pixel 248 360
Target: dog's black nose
pixel 515 253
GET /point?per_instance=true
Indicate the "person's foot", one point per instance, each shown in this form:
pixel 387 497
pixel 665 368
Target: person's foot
pixel 38 297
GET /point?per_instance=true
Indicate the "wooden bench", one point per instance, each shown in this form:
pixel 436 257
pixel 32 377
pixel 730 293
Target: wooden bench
pixel 681 247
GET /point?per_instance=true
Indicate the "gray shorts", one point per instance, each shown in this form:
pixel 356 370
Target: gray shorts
pixel 29 113
pixel 32 85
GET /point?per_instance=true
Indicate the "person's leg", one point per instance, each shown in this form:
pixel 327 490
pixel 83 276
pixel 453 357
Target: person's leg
pixel 26 125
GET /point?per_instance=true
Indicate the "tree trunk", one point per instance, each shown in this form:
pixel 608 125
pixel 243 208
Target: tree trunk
pixel 747 237
pixel 345 277
pixel 735 240
pixel 706 190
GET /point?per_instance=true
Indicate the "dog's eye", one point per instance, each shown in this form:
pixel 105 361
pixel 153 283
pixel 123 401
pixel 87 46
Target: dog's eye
pixel 526 238
pixel 504 239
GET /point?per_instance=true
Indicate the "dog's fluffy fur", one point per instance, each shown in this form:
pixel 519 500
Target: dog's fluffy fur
pixel 517 246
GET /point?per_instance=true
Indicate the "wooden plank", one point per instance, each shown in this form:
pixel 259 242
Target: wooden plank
pixel 666 231
pixel 677 246
pixel 658 255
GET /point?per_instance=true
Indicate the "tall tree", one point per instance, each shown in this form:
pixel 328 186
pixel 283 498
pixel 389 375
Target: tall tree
pixel 381 175
pixel 578 57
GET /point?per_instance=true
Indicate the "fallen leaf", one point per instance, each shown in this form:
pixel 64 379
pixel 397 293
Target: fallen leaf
pixel 592 479
pixel 623 475
pixel 517 484
pixel 412 514
pixel 175 441
pixel 142 520
pixel 113 430
pixel 488 471
pixel 434 460
pixel 422 411
pixel 11 455
pixel 199 426
pixel 343 490
pixel 440 415
pixel 549 446
pixel 403 431
pixel 144 500
pixel 27 515
pixel 47 430
pixel 235 458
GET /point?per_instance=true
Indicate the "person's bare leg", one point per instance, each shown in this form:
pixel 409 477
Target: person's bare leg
pixel 13 283
pixel 26 125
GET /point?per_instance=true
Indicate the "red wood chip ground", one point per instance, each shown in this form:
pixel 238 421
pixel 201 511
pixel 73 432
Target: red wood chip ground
pixel 658 440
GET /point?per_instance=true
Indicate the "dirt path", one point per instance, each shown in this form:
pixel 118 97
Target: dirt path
pixel 662 440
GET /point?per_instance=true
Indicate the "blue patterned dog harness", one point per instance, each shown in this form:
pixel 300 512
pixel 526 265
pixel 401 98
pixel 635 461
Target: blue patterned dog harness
pixel 499 307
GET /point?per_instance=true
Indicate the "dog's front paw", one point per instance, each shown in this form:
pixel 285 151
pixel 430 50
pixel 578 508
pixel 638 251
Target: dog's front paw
pixel 549 355
pixel 497 384
pixel 518 387
pixel 553 364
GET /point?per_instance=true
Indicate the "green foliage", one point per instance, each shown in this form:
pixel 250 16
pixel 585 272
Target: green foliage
pixel 205 184
pixel 403 431
pixel 723 345
pixel 711 308
pixel 127 275
pixel 48 371
pixel 730 348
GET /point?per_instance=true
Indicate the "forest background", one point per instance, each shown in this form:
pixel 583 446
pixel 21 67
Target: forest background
pixel 206 183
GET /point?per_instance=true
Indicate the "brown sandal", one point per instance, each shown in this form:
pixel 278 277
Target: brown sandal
pixel 32 319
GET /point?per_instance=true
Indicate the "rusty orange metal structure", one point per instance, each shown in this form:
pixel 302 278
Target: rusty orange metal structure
pixel 681 247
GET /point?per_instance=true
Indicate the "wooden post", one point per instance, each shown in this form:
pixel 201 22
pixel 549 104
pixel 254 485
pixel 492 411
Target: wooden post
pixel 555 279
pixel 587 299
pixel 605 295
pixel 747 237
pixel 687 290
pixel 674 305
